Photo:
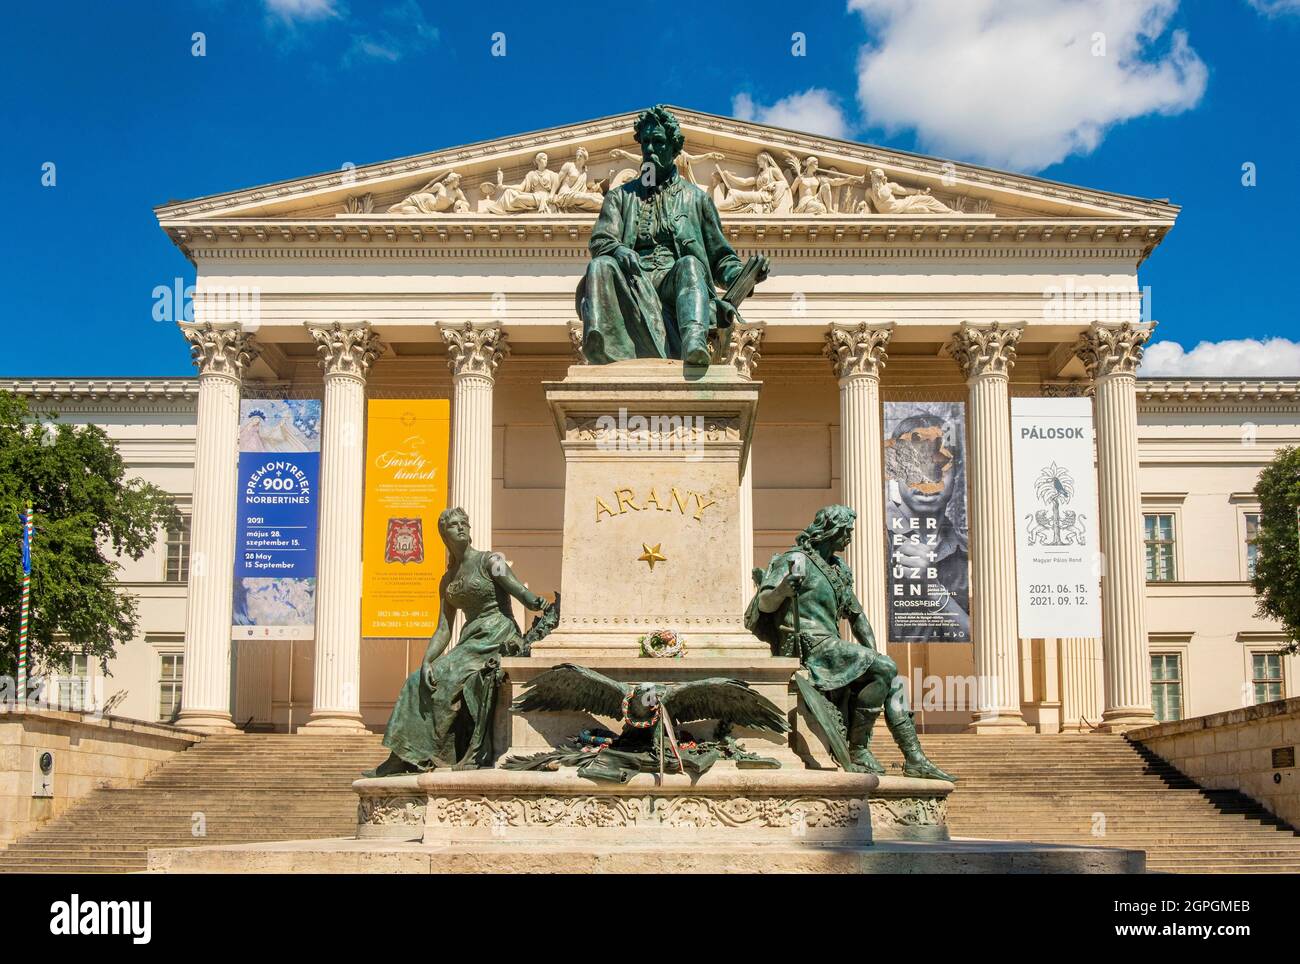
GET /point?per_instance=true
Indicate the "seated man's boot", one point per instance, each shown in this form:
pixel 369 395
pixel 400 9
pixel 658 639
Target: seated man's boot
pixel 915 762
pixel 860 727
pixel 391 767
pixel 695 345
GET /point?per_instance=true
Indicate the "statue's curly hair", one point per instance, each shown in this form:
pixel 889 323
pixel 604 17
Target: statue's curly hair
pixel 661 115
pixel 829 521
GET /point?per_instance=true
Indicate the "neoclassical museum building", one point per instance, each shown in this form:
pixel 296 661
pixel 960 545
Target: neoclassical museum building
pixel 897 280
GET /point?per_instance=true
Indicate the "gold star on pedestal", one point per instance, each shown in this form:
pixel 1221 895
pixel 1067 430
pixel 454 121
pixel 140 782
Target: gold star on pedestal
pixel 652 556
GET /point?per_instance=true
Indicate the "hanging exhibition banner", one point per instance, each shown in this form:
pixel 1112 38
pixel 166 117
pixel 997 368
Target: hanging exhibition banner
pixel 928 576
pixel 1057 557
pixel 406 488
pixel 275 538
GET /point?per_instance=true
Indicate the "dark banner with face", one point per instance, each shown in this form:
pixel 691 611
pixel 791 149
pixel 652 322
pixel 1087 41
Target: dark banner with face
pixel 928 577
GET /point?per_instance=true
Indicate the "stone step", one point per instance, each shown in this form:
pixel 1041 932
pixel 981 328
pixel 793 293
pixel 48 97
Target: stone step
pixel 1044 789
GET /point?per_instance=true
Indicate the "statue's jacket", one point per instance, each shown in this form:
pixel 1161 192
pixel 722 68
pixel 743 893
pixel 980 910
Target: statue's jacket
pixel 661 226
pixel 826 597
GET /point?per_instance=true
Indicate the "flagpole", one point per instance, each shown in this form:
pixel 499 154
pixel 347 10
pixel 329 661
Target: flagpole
pixel 27 605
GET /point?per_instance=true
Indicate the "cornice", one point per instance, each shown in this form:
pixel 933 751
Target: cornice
pixel 565 238
pixel 103 389
pixel 1152 392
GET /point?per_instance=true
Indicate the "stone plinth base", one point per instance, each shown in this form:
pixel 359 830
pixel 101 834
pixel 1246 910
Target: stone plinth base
pixel 349 856
pixel 724 807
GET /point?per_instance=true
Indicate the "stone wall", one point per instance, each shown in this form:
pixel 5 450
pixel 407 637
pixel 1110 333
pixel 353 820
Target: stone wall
pixel 1235 751
pixel 89 752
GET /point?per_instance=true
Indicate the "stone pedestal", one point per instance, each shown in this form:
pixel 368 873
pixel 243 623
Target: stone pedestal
pixel 653 512
pixel 492 809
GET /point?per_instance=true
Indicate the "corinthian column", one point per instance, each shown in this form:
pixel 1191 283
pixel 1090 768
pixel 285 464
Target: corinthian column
pixel 473 354
pixel 857 354
pixel 743 355
pixel 1111 354
pixel 345 356
pixel 221 355
pixel 985 355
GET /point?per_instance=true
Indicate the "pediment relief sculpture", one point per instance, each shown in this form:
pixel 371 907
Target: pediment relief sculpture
pixel 889 198
pixel 804 187
pixel 440 195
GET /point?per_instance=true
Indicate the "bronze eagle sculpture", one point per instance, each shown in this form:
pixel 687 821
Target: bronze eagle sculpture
pixel 649 713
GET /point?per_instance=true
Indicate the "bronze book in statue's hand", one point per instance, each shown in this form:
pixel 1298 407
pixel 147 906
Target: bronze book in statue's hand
pixel 744 283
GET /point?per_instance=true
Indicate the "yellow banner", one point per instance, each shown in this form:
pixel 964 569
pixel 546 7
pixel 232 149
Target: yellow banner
pixel 406 487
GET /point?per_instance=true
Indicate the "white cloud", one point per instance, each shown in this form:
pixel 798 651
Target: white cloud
pixel 1239 358
pixel 1017 83
pixel 382 47
pixel 292 11
pixel 816 111
pixel 1274 8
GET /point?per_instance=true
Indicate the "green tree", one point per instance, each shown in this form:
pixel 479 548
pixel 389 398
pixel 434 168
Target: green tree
pixel 1277 563
pixel 86 512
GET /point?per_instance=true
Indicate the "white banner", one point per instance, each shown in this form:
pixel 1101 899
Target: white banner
pixel 1058 560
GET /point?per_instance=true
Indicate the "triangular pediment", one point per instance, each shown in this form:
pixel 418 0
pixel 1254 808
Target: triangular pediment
pixel 755 173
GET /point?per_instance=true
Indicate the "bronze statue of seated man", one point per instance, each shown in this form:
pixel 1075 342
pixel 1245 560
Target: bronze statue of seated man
pixel 800 599
pixel 657 253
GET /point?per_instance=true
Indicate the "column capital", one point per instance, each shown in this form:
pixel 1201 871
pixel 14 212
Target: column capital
pixel 346 350
pixel 219 349
pixel 743 345
pixel 1113 349
pixel 858 349
pixel 985 349
pixel 474 349
pixel 575 342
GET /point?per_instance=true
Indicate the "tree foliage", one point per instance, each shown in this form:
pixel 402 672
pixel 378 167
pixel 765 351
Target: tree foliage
pixel 86 513
pixel 1277 563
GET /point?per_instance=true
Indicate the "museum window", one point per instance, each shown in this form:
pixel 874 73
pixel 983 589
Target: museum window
pixel 171 674
pixel 1159 531
pixel 1167 686
pixel 178 553
pixel 74 684
pixel 1266 675
pixel 1252 547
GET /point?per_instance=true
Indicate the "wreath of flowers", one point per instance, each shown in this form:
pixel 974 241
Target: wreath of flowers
pixel 638 724
pixel 663 644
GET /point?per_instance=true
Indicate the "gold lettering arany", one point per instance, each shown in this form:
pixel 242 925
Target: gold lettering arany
pixel 625 500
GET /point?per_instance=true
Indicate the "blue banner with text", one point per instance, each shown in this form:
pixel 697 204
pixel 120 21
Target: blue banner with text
pixel 275 549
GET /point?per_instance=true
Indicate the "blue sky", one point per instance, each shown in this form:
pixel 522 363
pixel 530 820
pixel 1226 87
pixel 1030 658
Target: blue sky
pixel 1176 100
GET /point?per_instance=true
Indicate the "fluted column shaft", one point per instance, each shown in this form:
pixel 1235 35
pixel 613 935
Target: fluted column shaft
pixel 743 354
pixel 985 355
pixel 221 355
pixel 1111 354
pixel 474 353
pixel 345 354
pixel 1080 695
pixel 857 354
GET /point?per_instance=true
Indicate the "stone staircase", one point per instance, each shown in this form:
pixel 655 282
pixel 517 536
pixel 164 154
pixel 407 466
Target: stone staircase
pixel 1102 790
pixel 245 789
pixel 1049 789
